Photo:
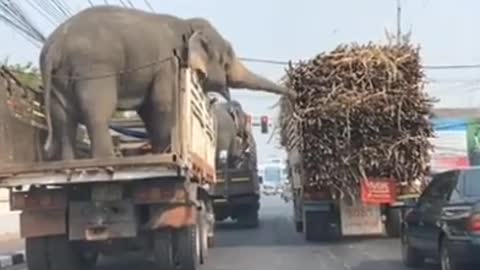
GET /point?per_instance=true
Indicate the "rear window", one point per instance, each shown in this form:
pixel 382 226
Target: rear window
pixel 472 183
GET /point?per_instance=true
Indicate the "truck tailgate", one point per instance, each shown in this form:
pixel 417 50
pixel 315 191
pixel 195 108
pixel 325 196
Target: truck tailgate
pixel 91 170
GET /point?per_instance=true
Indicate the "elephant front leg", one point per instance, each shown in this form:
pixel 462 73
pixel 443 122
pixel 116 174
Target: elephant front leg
pixel 158 124
pixel 157 114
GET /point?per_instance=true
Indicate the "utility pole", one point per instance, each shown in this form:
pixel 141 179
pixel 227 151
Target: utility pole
pixel 399 21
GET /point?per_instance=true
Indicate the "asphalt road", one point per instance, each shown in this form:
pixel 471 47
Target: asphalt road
pixel 276 246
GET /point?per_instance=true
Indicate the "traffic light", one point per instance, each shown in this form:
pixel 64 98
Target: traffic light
pixel 249 121
pixel 264 124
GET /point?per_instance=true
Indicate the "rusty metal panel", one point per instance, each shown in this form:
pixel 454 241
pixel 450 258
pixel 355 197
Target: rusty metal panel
pixel 101 220
pixel 157 192
pixel 38 199
pixel 174 216
pixel 43 223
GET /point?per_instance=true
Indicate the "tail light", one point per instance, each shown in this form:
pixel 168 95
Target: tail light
pixel 474 224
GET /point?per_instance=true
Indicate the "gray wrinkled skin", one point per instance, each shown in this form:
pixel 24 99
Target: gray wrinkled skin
pixel 233 133
pixel 107 58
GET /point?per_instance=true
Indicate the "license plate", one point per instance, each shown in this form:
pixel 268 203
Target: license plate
pixel 107 192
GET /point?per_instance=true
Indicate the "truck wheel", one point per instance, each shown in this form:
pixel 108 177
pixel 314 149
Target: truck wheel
pixel 54 253
pixel 311 226
pixel 299 226
pixel 204 231
pixel 163 249
pixel 317 226
pixel 187 248
pixel 410 256
pixel 393 224
pixel 211 223
pixel 250 218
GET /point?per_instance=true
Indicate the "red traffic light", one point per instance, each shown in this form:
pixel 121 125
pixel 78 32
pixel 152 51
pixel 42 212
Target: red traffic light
pixel 264 124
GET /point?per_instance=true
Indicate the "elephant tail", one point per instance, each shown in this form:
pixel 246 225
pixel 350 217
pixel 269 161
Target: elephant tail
pixel 47 95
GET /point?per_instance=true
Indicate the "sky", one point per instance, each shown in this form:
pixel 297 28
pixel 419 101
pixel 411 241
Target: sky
pixel 446 30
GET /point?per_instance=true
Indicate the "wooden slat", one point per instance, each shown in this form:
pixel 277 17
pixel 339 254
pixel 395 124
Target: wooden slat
pixel 203 170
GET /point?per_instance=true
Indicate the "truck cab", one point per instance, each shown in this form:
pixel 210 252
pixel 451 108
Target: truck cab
pixel 235 194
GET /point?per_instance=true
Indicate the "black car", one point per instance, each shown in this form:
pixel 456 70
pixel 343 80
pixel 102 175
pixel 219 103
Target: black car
pixel 445 222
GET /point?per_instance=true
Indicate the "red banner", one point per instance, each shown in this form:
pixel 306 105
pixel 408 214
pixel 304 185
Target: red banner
pixel 379 190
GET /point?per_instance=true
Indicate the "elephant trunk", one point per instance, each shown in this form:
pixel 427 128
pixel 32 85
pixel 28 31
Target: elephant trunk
pixel 240 77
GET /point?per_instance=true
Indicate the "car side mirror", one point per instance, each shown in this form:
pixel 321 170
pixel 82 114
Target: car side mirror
pixel 260 179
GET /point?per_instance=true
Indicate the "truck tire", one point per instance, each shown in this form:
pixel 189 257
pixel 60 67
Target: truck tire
pixel 311 226
pixel 187 248
pixel 410 256
pixel 393 224
pixel 211 223
pixel 298 226
pixel 249 219
pixel 54 253
pixel 317 226
pixel 204 229
pixel 163 251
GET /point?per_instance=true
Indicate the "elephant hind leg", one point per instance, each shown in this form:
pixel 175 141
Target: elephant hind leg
pixel 64 132
pixel 97 101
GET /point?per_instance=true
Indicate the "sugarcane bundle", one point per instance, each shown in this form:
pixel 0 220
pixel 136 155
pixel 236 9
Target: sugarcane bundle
pixel 361 112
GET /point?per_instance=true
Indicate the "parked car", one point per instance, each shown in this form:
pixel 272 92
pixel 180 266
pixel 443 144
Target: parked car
pixel 444 224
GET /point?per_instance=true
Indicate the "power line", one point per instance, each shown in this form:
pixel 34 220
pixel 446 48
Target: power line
pixel 122 3
pixel 149 5
pixel 433 67
pixel 131 4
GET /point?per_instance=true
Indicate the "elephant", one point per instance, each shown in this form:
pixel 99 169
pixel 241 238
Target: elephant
pixel 233 132
pixel 108 58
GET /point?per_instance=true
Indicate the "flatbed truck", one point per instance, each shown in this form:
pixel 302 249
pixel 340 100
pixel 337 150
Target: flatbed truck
pixel 157 204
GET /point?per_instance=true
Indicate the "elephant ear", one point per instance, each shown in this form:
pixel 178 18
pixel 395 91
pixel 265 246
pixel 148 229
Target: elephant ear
pixel 197 54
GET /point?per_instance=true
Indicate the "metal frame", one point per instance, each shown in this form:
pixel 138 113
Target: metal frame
pixel 179 161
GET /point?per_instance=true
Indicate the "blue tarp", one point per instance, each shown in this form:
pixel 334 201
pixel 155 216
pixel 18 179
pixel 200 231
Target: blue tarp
pixel 129 132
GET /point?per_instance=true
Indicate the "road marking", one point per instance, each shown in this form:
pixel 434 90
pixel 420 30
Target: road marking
pixel 347 266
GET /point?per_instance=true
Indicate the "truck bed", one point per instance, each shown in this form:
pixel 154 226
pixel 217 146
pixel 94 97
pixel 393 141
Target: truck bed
pixel 191 153
pixel 92 170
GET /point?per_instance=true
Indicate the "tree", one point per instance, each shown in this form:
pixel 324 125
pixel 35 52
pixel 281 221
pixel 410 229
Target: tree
pixel 27 74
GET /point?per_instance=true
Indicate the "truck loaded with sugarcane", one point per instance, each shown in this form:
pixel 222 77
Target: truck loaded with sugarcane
pixel 357 139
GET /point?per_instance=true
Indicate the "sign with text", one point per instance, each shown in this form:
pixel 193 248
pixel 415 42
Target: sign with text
pixel 360 219
pixel 378 190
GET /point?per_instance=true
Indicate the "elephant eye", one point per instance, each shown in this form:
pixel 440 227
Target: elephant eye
pixel 201 76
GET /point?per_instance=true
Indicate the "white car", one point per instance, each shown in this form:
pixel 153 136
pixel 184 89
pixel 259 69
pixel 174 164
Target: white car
pixel 269 189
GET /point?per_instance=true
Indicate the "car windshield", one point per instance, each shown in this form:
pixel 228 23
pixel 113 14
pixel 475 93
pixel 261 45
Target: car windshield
pixel 472 183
